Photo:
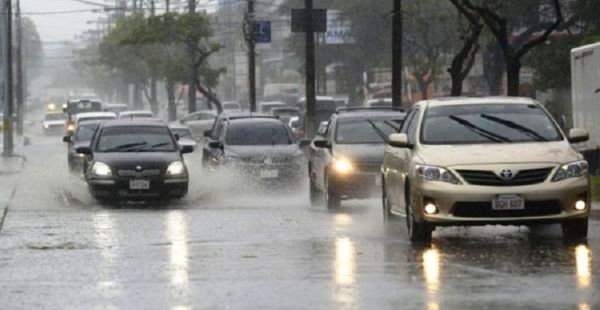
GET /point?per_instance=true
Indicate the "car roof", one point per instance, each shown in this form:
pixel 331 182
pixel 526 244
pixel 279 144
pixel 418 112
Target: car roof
pixel 203 111
pixel 94 122
pixel 236 115
pixel 137 112
pixel 133 123
pixel 256 121
pixel 94 114
pixel 476 100
pixel 178 126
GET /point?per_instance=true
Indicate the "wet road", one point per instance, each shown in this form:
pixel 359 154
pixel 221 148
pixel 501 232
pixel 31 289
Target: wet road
pixel 226 249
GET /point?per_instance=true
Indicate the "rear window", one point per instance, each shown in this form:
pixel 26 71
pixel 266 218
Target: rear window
pixel 258 134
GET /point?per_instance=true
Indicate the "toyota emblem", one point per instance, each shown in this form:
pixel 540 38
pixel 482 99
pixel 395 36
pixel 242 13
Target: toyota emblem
pixel 506 174
pixel 138 168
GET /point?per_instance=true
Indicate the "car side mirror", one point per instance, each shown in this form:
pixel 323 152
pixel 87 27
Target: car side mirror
pixel 176 137
pixel 207 133
pixel 323 144
pixel 304 143
pixel 187 149
pixel 399 140
pixel 577 135
pixel 215 144
pixel 84 150
pixel 181 121
pixel 67 139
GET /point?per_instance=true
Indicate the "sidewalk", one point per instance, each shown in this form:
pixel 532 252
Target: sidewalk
pixel 9 166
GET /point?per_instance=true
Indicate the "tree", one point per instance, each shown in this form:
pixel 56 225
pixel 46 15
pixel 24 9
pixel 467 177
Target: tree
pixel 33 49
pixel 532 25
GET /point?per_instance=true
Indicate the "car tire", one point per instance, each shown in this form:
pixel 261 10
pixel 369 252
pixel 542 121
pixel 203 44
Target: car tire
pixel 418 232
pixel 332 200
pixel 575 230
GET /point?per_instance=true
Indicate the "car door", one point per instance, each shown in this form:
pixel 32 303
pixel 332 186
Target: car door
pixel 319 156
pixel 394 163
pixel 215 154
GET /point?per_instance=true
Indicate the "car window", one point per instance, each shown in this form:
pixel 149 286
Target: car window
pixel 135 139
pixel 412 127
pixel 407 121
pixel 206 116
pixel 258 134
pixel 86 132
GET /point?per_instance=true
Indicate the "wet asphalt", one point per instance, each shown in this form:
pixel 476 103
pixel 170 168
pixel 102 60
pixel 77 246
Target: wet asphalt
pixel 225 247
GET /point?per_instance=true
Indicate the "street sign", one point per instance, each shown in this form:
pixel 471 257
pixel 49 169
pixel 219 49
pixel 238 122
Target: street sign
pixel 319 20
pixel 262 31
pixel 339 29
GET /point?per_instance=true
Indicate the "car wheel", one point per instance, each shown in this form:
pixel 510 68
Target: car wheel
pixel 418 232
pixel 575 230
pixel 331 198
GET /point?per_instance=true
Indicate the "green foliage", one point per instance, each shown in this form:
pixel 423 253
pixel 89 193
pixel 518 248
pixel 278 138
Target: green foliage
pixel 551 63
pixel 32 48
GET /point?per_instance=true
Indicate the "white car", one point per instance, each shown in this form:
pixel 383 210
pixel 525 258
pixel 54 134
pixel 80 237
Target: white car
pixel 183 134
pixel 199 122
pixel 136 115
pixel 94 116
pixel 54 123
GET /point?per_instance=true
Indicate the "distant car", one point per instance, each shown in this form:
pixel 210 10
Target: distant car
pixel 232 106
pixel 183 134
pixel 54 123
pixel 480 161
pixel 215 132
pixel 268 106
pixel 199 122
pixel 263 149
pixel 286 113
pixel 91 116
pixel 346 155
pixel 380 103
pixel 116 108
pixel 325 108
pixel 82 137
pixel 135 160
pixel 130 115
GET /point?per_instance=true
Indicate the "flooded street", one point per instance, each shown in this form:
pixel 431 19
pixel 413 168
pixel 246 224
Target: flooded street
pixel 265 250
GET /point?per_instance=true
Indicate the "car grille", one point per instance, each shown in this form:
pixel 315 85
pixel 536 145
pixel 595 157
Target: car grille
pixel 138 174
pixel 484 209
pixel 489 178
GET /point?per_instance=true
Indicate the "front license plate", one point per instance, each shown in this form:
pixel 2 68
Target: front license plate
pixel 269 174
pixel 508 202
pixel 139 184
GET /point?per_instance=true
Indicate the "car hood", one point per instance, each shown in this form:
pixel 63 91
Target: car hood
pixel 131 160
pixel 269 151
pixel 55 123
pixel 364 153
pixel 518 153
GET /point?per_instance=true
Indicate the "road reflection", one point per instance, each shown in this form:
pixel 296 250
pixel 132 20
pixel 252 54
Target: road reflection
pixel 583 265
pixel 176 233
pixel 344 263
pixel 431 273
pixel 108 243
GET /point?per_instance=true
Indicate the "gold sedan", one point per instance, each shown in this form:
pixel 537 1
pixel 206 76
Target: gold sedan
pixel 484 161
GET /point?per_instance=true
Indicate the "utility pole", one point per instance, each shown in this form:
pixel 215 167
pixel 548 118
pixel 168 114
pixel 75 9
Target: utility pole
pixel 8 81
pixel 250 39
pixel 311 100
pixel 194 76
pixel 397 55
pixel 153 82
pixel 20 89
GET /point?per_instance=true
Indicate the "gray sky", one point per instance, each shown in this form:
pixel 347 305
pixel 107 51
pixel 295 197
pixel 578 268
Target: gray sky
pixel 59 27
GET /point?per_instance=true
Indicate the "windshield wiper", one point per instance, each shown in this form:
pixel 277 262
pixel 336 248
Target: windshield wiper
pixel 480 131
pixel 389 123
pixel 528 131
pixel 125 147
pixel 378 131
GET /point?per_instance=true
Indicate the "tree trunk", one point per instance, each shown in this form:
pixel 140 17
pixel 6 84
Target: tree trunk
pixel 493 68
pixel 457 84
pixel 423 86
pixel 172 106
pixel 153 96
pixel 137 96
pixel 192 96
pixel 513 82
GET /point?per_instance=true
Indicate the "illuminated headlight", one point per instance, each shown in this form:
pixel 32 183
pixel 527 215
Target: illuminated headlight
pixel 580 205
pixel 71 127
pixel 571 170
pixel 52 106
pixel 101 169
pixel 176 168
pixel 342 165
pixel 46 126
pixel 432 173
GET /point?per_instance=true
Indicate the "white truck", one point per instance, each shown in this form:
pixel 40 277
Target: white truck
pixel 585 80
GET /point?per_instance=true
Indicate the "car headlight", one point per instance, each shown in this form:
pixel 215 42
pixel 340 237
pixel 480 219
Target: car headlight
pixel 71 127
pixel 176 168
pixel 342 165
pixel 46 126
pixel 432 173
pixel 571 170
pixel 101 169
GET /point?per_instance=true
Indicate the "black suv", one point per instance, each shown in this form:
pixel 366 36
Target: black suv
pixel 346 155
pixel 134 160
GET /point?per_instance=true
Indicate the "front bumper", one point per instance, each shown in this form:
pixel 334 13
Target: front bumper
pixel 354 185
pixel 118 188
pixel 548 202
pixel 276 173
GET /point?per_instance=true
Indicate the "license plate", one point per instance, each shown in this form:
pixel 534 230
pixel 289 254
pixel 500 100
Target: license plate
pixel 269 174
pixel 139 184
pixel 508 202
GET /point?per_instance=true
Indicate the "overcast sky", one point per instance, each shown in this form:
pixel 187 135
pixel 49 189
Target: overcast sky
pixel 59 27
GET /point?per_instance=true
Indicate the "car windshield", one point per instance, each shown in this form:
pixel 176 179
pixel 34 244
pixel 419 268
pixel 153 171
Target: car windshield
pixel 366 130
pixel 489 123
pixel 258 134
pixel 182 132
pixel 85 132
pixel 135 139
pixel 55 117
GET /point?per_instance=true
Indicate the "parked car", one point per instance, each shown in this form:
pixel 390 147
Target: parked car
pixel 136 115
pixel 183 134
pixel 134 160
pixel 268 106
pixel 286 113
pixel 263 149
pixel 346 155
pixel 232 106
pixel 199 122
pixel 54 123
pixel 82 137
pixel 484 161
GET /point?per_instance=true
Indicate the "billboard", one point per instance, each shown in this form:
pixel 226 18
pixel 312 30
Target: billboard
pixel 339 29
